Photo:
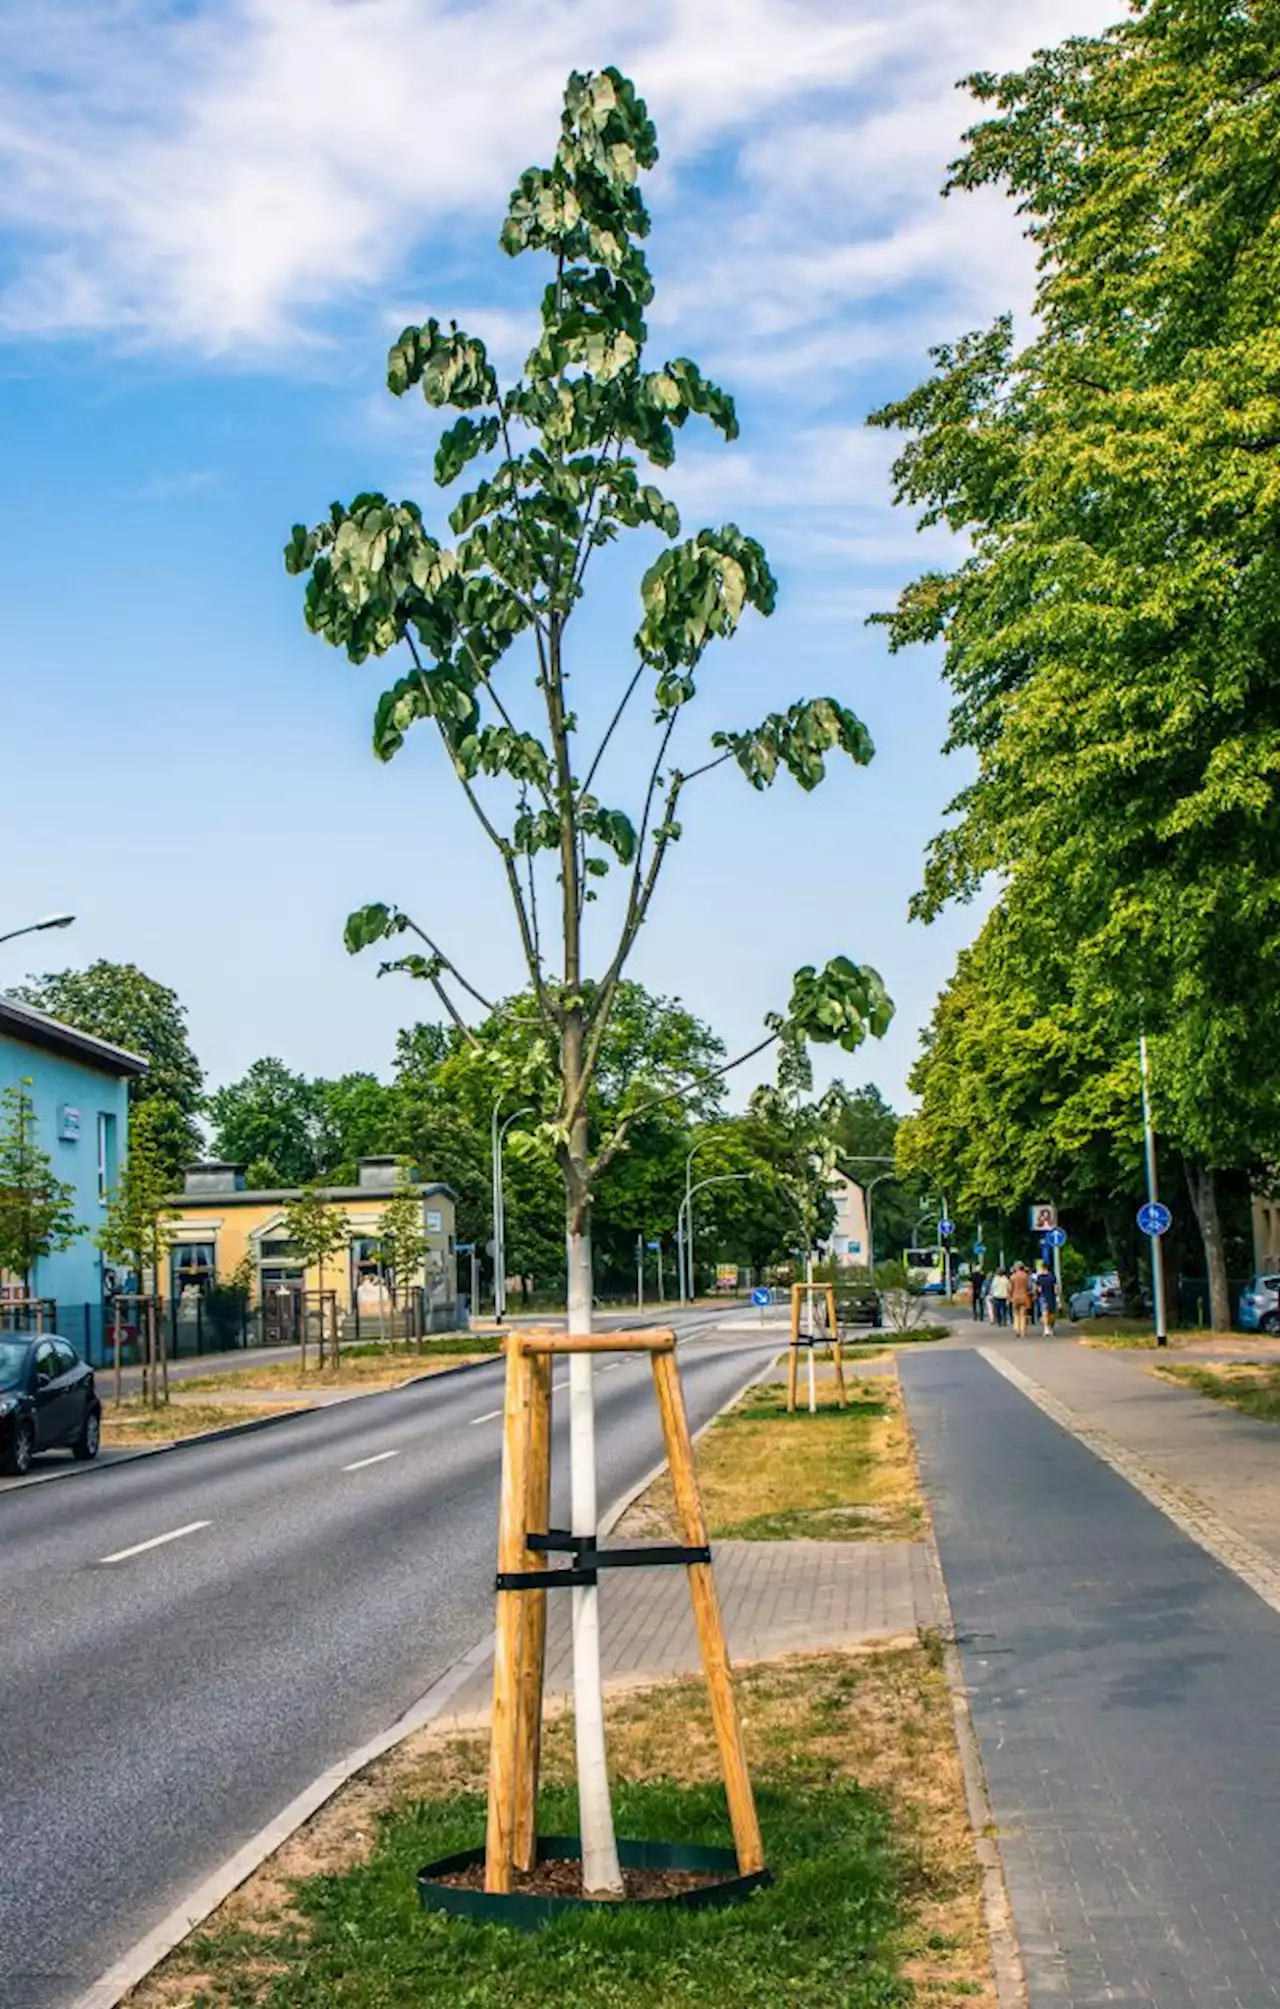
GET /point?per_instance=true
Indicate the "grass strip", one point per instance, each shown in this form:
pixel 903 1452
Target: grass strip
pixel 1251 1386
pixel 838 1475
pixel 876 1903
pixel 135 1422
pixel 362 1367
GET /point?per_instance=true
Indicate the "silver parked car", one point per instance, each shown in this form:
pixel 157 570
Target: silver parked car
pixel 1260 1305
pixel 1098 1297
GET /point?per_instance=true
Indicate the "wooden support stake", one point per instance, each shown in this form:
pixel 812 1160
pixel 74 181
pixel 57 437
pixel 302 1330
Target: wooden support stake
pixel 533 1644
pixel 707 1618
pixel 842 1395
pixel 512 1556
pixel 661 1340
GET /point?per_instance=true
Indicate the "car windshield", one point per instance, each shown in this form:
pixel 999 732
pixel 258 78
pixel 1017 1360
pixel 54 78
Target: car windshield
pixel 14 1354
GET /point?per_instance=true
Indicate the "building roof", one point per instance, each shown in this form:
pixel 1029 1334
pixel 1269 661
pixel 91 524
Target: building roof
pixel 280 1196
pixel 22 1022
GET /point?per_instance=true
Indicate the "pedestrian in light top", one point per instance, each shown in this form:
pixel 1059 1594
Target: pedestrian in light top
pixel 1047 1297
pixel 999 1296
pixel 1020 1298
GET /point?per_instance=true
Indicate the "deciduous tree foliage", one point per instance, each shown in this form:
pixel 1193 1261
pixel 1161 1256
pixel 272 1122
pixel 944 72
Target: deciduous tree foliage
pixel 565 451
pixel 1112 635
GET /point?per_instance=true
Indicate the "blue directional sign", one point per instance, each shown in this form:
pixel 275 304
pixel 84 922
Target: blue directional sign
pixel 653 1245
pixel 761 1296
pixel 979 1248
pixel 1057 1238
pixel 1154 1218
pixel 946 1228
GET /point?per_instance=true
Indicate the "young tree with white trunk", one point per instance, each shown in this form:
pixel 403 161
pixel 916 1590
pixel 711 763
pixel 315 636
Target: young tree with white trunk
pixel 564 445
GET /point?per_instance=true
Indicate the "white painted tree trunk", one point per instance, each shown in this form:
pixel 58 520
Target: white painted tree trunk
pixel 600 1872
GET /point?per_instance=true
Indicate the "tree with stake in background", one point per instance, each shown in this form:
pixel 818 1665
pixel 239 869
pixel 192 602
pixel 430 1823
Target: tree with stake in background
pixel 37 1215
pixel 565 443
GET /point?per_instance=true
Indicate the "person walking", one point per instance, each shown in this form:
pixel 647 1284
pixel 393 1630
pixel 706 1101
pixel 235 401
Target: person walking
pixel 999 1296
pixel 978 1286
pixel 1020 1298
pixel 1046 1297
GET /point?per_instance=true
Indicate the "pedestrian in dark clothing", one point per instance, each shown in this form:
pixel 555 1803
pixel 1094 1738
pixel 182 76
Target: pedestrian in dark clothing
pixel 1047 1298
pixel 978 1282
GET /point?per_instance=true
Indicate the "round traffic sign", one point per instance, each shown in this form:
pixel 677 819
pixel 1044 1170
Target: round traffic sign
pixel 979 1248
pixel 946 1228
pixel 1154 1218
pixel 761 1296
pixel 1056 1238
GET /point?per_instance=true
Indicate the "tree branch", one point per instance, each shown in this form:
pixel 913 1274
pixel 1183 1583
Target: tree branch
pixel 627 696
pixel 707 766
pixel 606 1156
pixel 449 964
pixel 506 853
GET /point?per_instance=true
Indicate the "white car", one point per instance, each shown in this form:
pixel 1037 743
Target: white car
pixel 1260 1305
pixel 1099 1297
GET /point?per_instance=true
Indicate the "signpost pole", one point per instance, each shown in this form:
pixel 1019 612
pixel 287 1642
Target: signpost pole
pixel 1153 1197
pixel 946 1254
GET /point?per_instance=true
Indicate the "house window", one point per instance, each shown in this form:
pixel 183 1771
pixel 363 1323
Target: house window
pixel 193 1266
pixel 106 1154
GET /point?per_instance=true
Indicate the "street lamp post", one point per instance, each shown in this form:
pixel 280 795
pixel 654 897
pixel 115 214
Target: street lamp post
pixel 38 927
pixel 684 1218
pixel 1153 1196
pixel 499 1209
pixel 684 1250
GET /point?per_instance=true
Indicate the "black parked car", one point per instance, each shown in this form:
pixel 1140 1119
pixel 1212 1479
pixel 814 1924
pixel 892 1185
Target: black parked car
pixel 47 1398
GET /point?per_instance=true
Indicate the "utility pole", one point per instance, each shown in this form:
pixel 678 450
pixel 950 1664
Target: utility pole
pixel 497 1133
pixel 1153 1196
pixel 640 1272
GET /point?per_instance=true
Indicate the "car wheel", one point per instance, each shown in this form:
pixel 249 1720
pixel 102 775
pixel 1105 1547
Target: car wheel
pixel 86 1444
pixel 1269 1322
pixel 17 1459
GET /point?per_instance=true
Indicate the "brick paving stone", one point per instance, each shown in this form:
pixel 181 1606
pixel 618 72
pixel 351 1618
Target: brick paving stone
pixel 777 1597
pixel 1125 1688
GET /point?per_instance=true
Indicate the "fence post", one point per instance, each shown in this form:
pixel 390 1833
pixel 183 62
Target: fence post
pixel 200 1323
pixel 88 1336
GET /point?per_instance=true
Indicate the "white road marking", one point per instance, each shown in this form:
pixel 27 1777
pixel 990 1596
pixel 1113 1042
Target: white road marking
pixel 488 1416
pixel 376 1459
pixel 157 1541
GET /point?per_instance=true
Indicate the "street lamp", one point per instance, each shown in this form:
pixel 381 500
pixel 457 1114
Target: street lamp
pixel 683 1254
pixel 499 1210
pixel 38 927
pixel 684 1219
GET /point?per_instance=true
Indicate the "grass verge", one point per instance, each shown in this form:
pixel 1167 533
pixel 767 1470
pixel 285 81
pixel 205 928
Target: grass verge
pixel 134 1422
pixel 840 1475
pixel 362 1367
pixel 1251 1386
pixel 877 1901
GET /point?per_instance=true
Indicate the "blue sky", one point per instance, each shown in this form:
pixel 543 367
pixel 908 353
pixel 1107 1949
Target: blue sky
pixel 212 220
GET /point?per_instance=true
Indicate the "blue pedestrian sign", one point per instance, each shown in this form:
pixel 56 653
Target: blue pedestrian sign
pixel 946 1228
pixel 1155 1218
pixel 761 1296
pixel 1056 1238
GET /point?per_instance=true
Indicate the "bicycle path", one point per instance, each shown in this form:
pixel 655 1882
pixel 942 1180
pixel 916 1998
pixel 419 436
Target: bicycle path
pixel 1125 1688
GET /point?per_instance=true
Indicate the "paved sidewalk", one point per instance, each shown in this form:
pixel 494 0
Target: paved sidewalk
pixel 1232 1462
pixel 1125 1686
pixel 777 1597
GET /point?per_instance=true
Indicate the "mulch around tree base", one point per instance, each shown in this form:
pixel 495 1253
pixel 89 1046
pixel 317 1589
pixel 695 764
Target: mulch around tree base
pixel 564 1879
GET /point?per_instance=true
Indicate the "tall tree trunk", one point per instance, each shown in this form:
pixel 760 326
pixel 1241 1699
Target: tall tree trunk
pixel 601 1874
pixel 1203 1185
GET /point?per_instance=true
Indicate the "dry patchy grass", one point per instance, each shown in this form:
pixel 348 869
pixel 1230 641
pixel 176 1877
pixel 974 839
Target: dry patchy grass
pixel 136 1423
pixel 877 1724
pixel 365 1368
pixel 840 1475
pixel 1252 1386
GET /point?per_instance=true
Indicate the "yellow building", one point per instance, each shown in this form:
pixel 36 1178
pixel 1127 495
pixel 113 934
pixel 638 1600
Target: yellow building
pixel 218 1222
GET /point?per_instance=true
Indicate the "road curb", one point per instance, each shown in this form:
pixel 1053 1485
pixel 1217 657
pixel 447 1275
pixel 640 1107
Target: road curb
pixel 134 1966
pixel 88 1470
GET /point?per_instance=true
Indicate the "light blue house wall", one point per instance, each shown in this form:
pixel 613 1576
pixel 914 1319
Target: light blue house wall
pixel 79 1087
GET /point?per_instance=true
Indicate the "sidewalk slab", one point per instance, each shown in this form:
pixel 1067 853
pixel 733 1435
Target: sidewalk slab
pixel 777 1598
pixel 1125 1690
pixel 1231 1461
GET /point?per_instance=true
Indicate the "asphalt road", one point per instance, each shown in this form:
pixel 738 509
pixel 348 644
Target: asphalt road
pixel 162 1699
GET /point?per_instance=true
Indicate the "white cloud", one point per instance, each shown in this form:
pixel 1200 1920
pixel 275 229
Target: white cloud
pixel 217 177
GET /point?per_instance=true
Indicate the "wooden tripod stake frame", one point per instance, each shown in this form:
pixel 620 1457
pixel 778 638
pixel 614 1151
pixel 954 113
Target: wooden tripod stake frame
pixel 798 1293
pixel 519 1660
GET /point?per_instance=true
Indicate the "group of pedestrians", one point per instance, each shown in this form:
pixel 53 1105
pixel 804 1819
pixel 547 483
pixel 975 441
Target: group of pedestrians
pixel 1015 1296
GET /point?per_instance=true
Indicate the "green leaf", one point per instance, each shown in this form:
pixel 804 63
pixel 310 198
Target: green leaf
pixel 372 924
pixel 798 739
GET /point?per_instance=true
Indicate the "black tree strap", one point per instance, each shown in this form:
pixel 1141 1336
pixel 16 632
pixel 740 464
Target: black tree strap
pixel 589 1560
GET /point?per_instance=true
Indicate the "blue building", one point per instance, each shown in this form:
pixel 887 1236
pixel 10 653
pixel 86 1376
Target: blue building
pixel 79 1088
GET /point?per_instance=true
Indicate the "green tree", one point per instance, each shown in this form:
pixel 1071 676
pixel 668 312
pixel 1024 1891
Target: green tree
pixel 137 1231
pixel 403 1245
pixel 564 444
pixel 272 1115
pixel 1111 636
pixel 319 1230
pixel 120 1003
pixel 37 1209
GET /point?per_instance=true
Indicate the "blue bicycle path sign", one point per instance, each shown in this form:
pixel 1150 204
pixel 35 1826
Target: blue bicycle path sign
pixel 946 1228
pixel 1154 1218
